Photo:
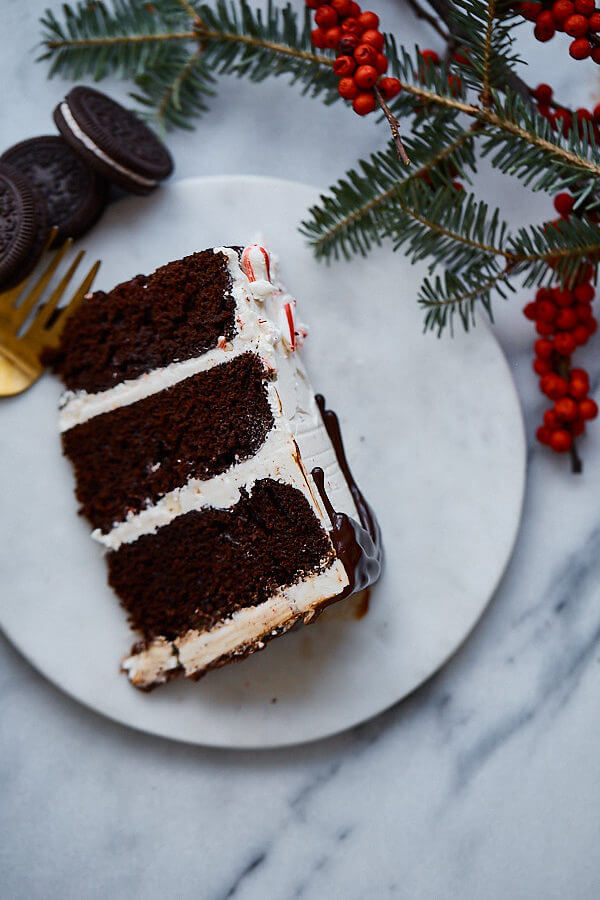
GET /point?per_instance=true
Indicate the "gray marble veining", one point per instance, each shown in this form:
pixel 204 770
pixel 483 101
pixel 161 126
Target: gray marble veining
pixel 484 784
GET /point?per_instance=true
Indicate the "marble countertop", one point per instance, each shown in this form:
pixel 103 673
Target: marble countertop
pixel 484 784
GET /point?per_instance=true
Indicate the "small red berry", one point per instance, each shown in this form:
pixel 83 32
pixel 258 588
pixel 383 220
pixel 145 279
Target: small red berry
pixel 530 11
pixel 430 56
pixel 348 44
pixel 585 7
pixel 578 388
pixel 365 55
pixel 313 4
pixel 355 10
pixel 366 77
pixel 389 88
pixel 543 348
pixel 326 17
pixel 455 84
pixel 344 65
pixel 381 63
pixel 566 118
pixel 351 26
pixel 333 36
pixel 544 26
pixel 565 343
pixel 319 38
pixel 530 311
pixel 562 297
pixel 375 38
pixel 363 104
pixel 369 20
pixel 584 313
pixel 554 386
pixel 566 319
pixel 543 434
pixel 550 419
pixel 561 10
pixel 544 328
pixel 594 21
pixel 566 409
pixel 543 94
pixel 576 26
pixel 581 334
pixel 347 88
pixel 595 54
pixel 546 311
pixel 542 366
pixel 584 293
pixel 581 374
pixel 588 408
pixel 544 293
pixel 563 204
pixel 342 7
pixel 580 48
pixel 461 58
pixel 561 440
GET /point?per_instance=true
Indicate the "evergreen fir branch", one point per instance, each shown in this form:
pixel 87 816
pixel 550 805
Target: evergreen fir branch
pixel 350 220
pixel 240 40
pixel 523 144
pixel 460 295
pixel 123 40
pixel 487 41
pixel 451 228
pixel 555 250
pixel 178 90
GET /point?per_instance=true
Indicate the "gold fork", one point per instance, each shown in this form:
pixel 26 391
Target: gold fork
pixel 20 347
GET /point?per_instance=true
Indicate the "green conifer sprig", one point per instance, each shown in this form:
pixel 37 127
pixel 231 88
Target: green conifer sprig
pixel 174 51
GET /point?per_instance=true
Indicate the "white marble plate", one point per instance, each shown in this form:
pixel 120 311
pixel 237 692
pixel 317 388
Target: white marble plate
pixel 434 433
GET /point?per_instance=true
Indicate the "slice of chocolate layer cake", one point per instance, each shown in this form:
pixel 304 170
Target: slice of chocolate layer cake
pixel 211 474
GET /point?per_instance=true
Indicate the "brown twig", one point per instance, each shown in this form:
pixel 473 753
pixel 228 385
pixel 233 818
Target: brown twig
pixel 421 13
pixel 394 127
pixel 576 463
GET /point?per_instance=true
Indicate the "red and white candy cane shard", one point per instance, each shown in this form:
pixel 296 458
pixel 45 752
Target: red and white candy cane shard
pixel 289 316
pixel 256 263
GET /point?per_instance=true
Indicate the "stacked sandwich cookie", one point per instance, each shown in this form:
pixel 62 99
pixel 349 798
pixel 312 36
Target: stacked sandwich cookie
pixel 62 181
pixel 211 474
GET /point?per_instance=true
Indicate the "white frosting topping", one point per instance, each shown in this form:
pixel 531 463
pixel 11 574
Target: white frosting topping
pixel 87 142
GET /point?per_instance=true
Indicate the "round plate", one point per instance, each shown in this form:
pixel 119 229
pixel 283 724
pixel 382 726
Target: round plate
pixel 434 434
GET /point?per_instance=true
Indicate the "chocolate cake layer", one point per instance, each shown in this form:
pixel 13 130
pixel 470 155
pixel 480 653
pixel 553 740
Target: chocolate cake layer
pixel 149 322
pixel 196 429
pixel 208 563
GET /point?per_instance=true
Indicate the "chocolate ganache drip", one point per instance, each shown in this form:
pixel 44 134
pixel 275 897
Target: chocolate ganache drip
pixel 358 545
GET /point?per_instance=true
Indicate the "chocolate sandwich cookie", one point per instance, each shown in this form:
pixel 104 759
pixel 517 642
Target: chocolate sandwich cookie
pixel 75 195
pixel 23 226
pixel 112 140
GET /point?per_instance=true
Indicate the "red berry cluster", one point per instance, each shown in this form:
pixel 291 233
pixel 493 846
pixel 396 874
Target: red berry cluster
pixel 578 18
pixel 564 320
pixel 360 63
pixel 562 118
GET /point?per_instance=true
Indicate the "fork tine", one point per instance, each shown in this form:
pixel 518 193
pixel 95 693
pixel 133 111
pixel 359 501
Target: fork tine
pixel 45 311
pixel 21 312
pixel 56 327
pixel 9 297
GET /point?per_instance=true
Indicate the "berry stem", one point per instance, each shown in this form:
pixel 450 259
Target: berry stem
pixel 394 127
pixel 576 463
